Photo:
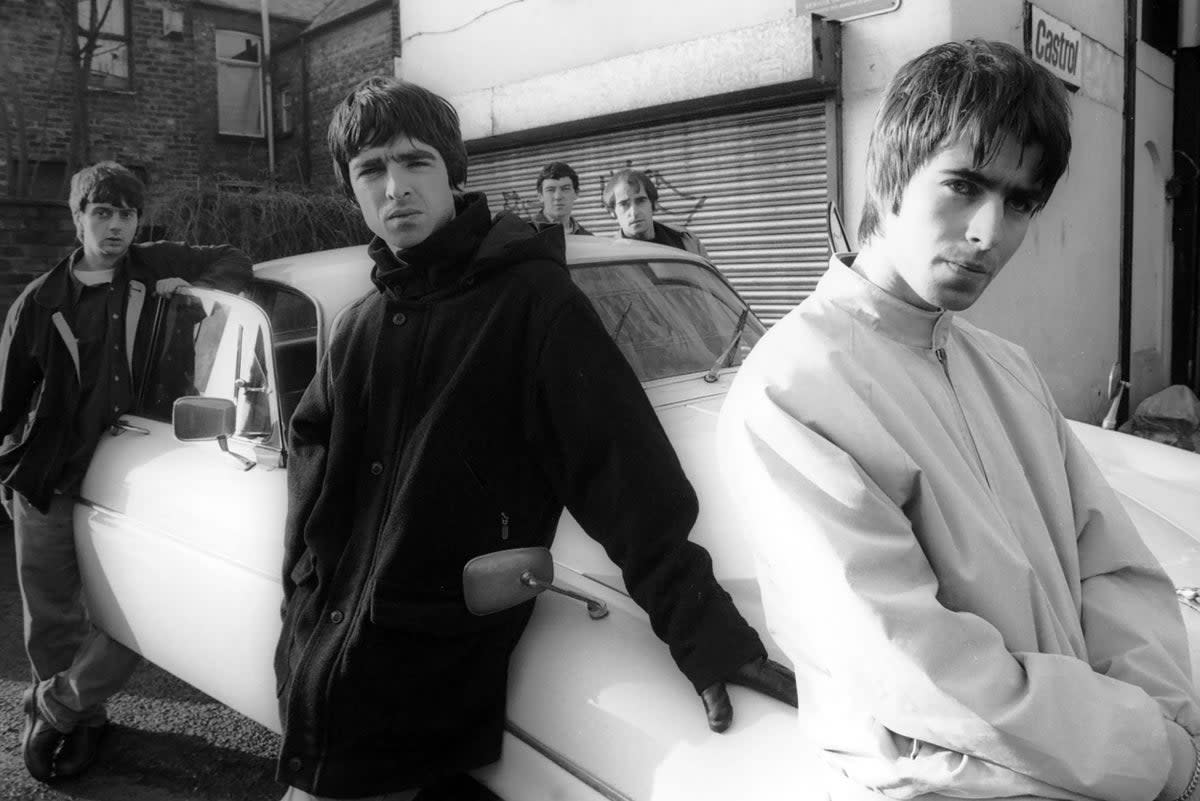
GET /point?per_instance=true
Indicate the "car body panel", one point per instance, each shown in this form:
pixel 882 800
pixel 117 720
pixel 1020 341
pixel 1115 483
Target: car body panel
pixel 180 549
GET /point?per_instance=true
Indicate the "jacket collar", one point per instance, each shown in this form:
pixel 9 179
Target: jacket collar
pixel 571 227
pixel 442 260
pixel 59 290
pixel 462 251
pixel 894 318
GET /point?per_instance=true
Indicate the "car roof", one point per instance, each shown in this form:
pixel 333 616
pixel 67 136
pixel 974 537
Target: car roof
pixel 335 278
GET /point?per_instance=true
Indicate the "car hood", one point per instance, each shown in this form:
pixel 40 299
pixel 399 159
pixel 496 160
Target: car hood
pixel 1159 486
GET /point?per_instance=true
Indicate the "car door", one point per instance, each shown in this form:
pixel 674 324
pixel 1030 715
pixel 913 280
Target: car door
pixel 181 543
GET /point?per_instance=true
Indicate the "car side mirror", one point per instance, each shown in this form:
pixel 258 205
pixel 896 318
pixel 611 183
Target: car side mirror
pixel 197 418
pixel 501 580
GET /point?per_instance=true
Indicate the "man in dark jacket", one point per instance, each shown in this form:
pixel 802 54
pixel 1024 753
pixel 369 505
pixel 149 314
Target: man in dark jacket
pixel 456 412
pixel 67 373
pixel 558 188
pixel 632 199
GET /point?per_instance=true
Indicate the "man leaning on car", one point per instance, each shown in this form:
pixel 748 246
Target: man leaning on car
pixel 459 408
pixel 67 374
pixel 970 609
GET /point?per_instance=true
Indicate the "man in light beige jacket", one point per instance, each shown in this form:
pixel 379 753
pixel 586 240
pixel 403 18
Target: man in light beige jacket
pixel 969 609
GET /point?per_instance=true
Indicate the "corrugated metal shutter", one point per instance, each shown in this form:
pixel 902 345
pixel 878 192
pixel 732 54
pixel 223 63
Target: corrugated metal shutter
pixel 752 185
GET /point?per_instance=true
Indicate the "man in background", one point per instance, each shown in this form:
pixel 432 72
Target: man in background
pixel 558 188
pixel 632 199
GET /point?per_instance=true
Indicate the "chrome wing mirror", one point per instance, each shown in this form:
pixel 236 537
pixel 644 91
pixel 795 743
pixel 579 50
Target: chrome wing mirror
pixel 501 580
pixel 196 418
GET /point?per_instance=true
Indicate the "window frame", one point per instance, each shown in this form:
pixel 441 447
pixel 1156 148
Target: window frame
pixel 125 37
pixel 276 442
pixel 237 64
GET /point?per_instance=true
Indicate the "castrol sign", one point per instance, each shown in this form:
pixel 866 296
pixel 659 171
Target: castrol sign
pixel 1055 45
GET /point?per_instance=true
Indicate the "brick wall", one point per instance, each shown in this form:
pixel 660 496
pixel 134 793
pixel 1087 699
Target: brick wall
pixel 164 124
pixel 338 57
pixel 34 236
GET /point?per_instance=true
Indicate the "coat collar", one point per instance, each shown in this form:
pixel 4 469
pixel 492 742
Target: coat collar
pixel 441 260
pixel 894 318
pixel 58 291
pixel 461 251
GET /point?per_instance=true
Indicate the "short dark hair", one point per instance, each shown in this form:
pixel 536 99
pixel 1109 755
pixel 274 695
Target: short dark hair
pixel 381 108
pixel 635 179
pixel 107 182
pixel 977 91
pixel 555 170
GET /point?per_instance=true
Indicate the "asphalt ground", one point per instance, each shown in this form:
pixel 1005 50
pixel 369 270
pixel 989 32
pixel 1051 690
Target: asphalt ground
pixel 168 741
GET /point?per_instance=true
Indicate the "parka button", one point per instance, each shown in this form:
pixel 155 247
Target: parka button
pixel 376 468
pixel 294 764
pixel 399 318
pixel 336 616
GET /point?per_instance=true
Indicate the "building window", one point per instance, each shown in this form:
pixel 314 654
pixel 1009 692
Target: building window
pixel 239 84
pixel 42 180
pixel 104 26
pixel 287 111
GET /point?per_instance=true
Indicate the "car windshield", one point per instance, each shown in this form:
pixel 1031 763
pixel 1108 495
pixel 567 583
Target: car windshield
pixel 669 318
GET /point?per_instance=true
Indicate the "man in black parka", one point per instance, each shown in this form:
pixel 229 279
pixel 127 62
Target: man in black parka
pixel 458 409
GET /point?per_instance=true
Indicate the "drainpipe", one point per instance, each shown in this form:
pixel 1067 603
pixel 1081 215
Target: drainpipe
pixel 1184 187
pixel 1119 379
pixel 269 112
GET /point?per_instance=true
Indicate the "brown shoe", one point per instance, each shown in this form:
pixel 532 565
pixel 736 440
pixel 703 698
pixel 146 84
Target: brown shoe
pixel 79 750
pixel 38 740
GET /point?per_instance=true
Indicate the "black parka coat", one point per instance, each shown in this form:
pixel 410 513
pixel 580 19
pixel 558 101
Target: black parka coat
pixel 458 409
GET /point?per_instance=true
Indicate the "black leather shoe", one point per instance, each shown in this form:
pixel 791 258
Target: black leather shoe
pixel 39 740
pixel 79 750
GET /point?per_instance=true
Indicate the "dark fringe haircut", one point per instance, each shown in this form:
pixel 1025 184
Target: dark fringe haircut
pixel 107 182
pixel 381 108
pixel 977 90
pixel 634 178
pixel 556 170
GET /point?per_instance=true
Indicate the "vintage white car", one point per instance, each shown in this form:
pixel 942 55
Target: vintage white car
pixel 181 542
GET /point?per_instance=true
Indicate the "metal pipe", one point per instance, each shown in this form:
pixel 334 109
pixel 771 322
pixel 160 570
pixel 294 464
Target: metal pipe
pixel 1125 299
pixel 269 110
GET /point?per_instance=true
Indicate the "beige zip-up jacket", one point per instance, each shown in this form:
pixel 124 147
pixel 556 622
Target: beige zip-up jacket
pixel 969 609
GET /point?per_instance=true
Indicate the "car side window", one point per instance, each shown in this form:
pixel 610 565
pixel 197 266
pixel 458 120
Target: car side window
pixel 217 345
pixel 293 319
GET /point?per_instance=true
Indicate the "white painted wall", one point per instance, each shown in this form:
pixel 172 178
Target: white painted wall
pixel 530 38
pixel 1059 295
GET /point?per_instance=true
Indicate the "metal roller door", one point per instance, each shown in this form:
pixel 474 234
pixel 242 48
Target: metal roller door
pixel 753 186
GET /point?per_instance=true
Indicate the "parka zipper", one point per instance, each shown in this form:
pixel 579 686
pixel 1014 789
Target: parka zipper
pixel 503 526
pixel 940 354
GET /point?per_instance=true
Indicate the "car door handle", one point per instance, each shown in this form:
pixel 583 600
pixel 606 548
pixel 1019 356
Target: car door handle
pixel 121 426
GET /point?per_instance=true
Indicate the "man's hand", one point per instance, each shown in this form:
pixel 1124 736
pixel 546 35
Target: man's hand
pixel 164 287
pixel 768 677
